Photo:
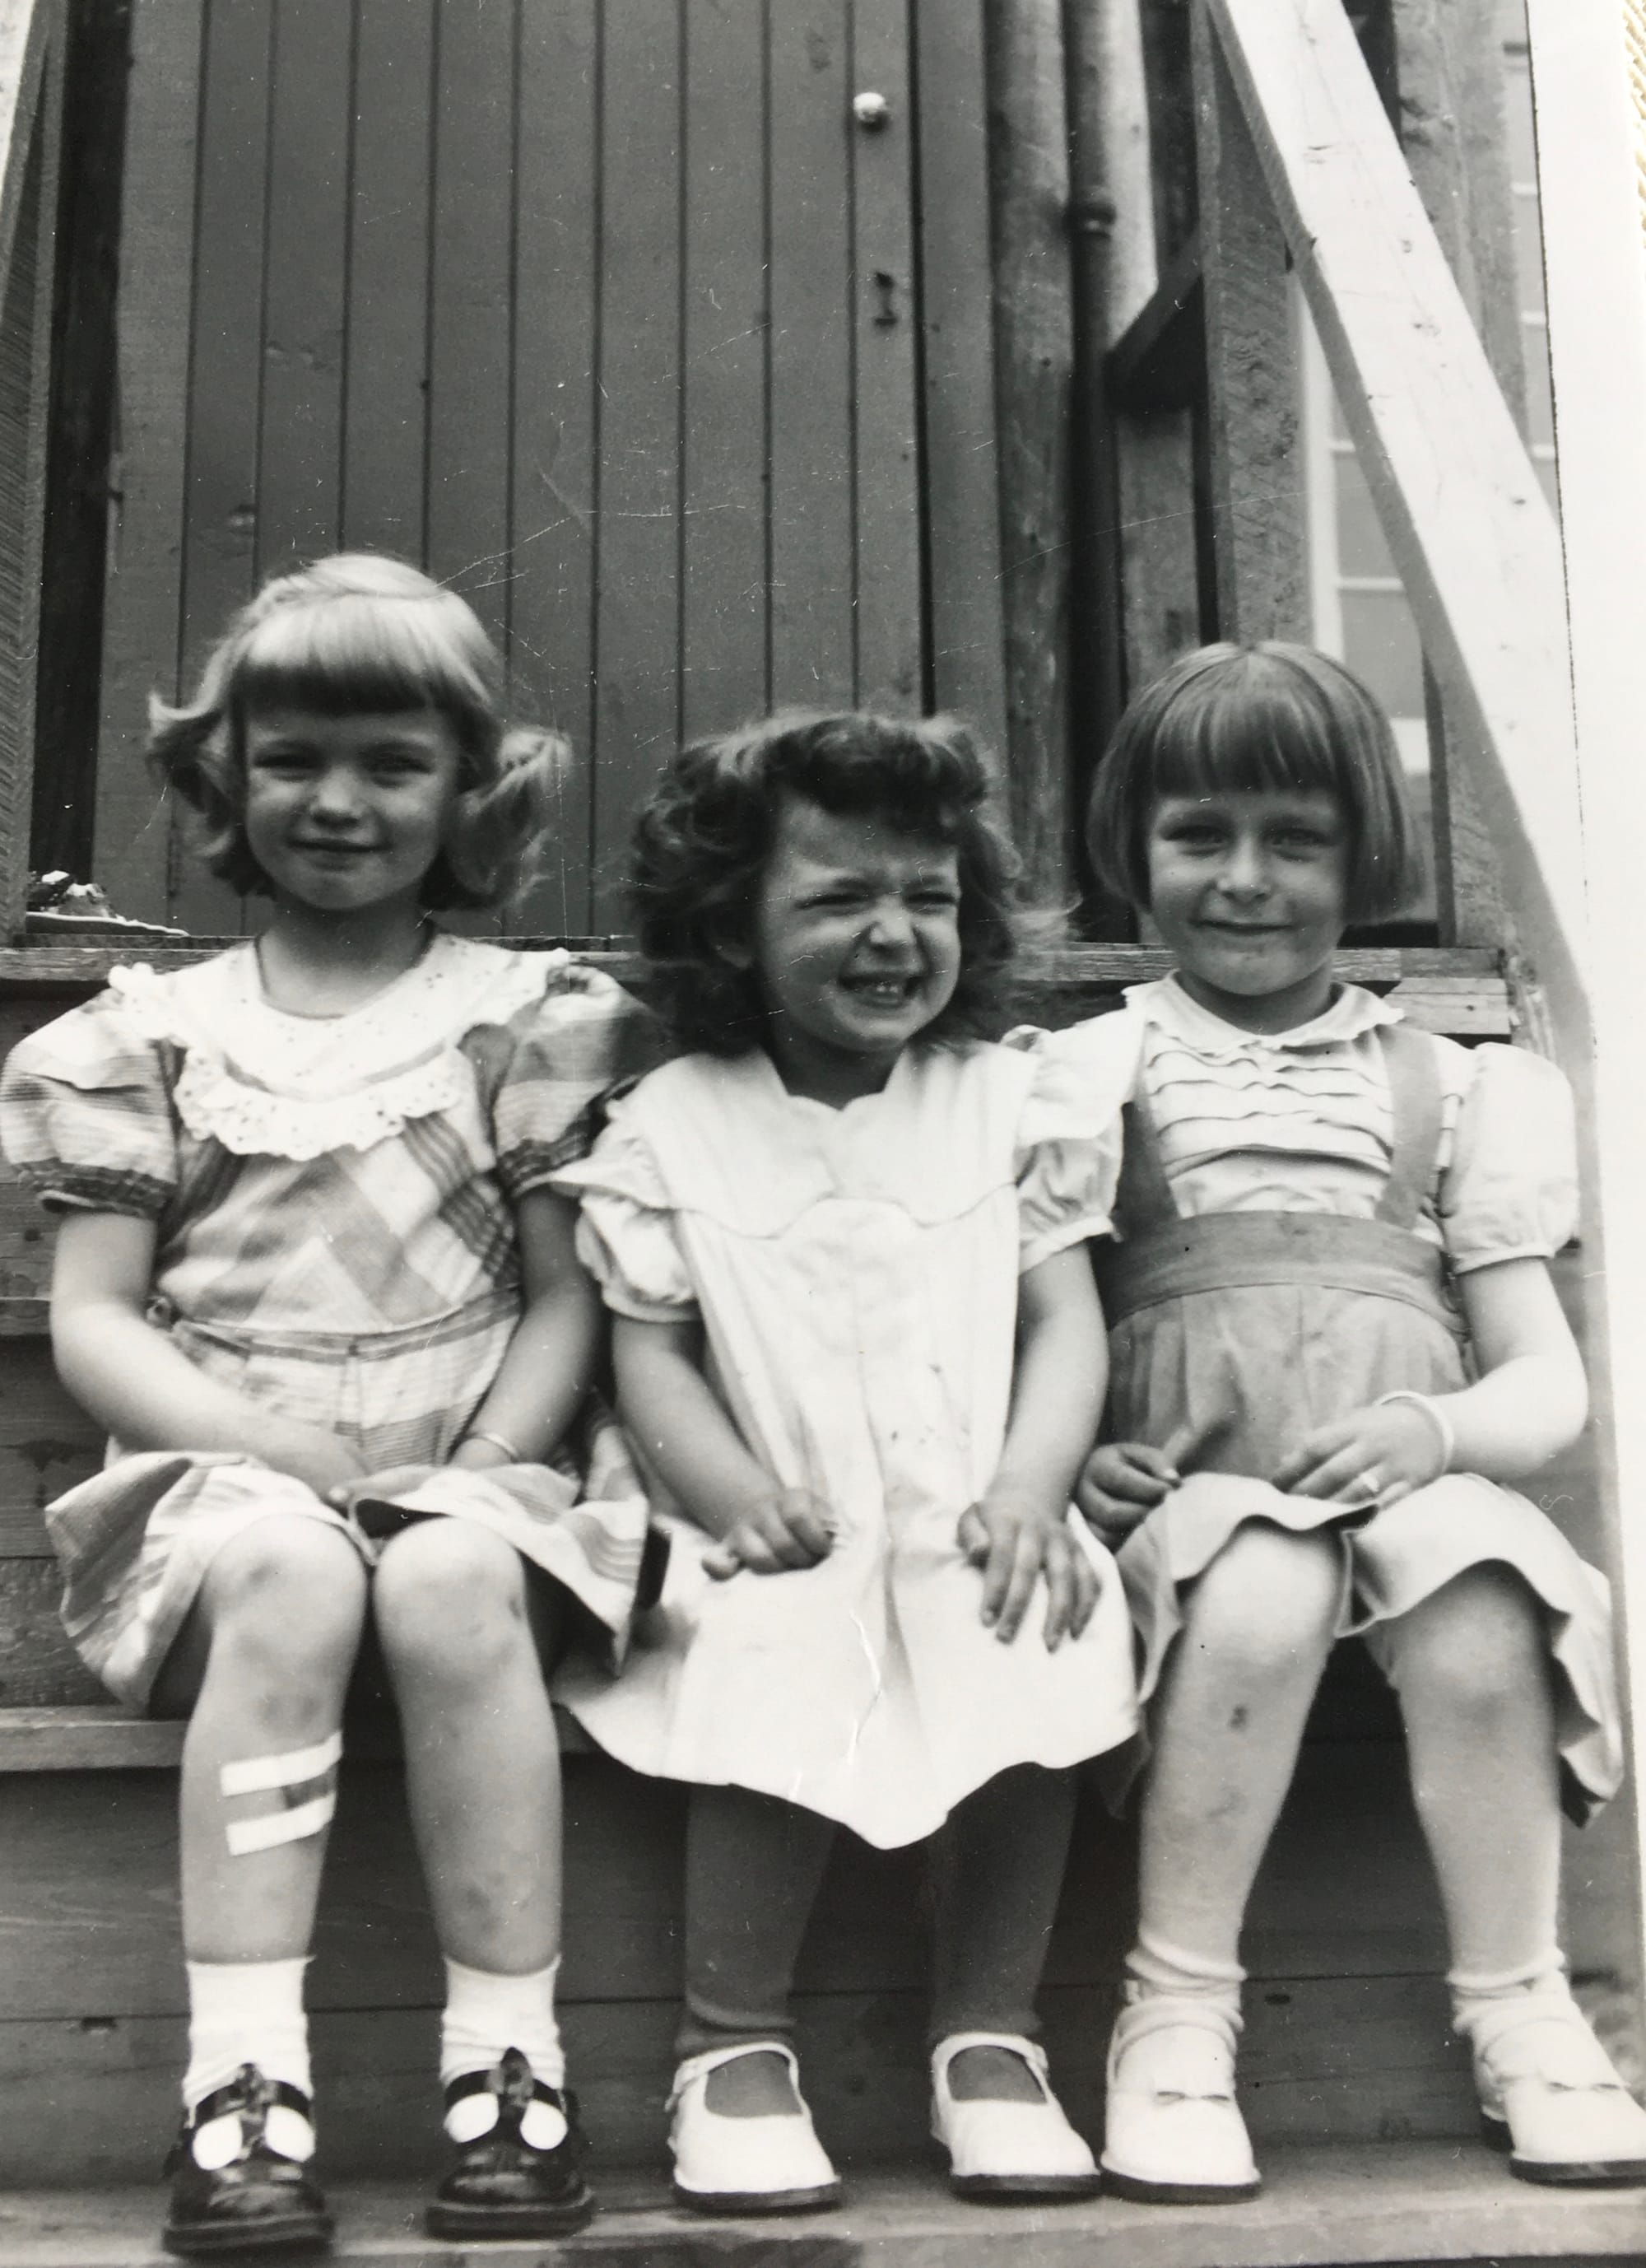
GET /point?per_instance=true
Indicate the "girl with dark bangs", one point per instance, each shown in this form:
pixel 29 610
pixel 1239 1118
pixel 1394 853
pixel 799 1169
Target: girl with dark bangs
pixel 1333 1341
pixel 311 1275
pixel 858 1343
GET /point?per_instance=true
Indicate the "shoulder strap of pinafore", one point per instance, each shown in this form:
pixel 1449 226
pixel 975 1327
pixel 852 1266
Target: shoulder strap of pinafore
pixel 1413 1062
pixel 1144 1200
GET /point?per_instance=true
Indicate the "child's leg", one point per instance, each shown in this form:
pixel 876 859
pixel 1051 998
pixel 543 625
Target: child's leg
pixel 1226 1722
pixel 998 1866
pixel 741 2135
pixel 263 1661
pixel 1471 1666
pixel 462 1622
pixel 753 1865
pixel 262 1664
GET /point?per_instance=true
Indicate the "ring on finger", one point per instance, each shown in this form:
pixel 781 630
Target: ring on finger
pixel 1371 1482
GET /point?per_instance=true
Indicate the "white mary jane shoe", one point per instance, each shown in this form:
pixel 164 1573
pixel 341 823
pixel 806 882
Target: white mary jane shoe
pixel 1551 2095
pixel 1007 2150
pixel 762 2164
pixel 1174 2134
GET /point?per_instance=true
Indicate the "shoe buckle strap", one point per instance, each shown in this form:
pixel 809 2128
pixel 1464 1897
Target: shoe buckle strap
pixel 1027 2050
pixel 712 2059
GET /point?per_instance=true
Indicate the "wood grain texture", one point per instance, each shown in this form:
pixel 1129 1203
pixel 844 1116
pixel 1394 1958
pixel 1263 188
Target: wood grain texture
pixel 555 533
pixel 385 401
pixel 962 473
pixel 1257 503
pixel 1034 372
pixel 305 285
pixel 140 647
pixel 886 331
pixel 722 410
pixel 810 375
pixel 32 76
pixel 637 585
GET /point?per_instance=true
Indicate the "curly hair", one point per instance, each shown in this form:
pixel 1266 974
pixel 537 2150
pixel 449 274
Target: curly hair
pixel 1259 716
pixel 359 633
pixel 703 839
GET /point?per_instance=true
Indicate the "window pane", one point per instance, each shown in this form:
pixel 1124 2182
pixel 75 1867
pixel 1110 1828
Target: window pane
pixel 1380 645
pixel 1534 342
pixel 1361 549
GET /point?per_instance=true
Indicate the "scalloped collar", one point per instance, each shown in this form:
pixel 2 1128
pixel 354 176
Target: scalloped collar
pixel 263 1083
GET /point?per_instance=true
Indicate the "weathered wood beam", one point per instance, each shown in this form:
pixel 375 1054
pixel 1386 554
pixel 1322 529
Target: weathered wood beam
pixel 1033 370
pixel 1465 519
pixel 31 89
pixel 1258 529
pixel 1589 145
pixel 1448 68
pixel 1156 363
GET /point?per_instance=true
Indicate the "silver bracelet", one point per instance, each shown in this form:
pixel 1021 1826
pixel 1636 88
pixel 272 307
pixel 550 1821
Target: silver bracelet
pixel 1436 1416
pixel 512 1455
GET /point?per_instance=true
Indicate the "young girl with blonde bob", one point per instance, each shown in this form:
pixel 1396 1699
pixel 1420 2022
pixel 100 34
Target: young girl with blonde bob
pixel 313 1278
pixel 1334 1346
pixel 859 1349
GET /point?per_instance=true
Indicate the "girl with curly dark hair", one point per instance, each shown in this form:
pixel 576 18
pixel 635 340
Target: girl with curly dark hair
pixel 858 1342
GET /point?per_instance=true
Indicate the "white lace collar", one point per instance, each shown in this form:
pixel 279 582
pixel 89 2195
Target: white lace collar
pixel 1164 1003
pixel 261 1082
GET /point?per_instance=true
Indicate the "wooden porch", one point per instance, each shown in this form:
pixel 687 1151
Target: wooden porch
pixel 1035 502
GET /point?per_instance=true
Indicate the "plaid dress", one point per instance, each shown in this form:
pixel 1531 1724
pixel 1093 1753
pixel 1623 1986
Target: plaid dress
pixel 333 1201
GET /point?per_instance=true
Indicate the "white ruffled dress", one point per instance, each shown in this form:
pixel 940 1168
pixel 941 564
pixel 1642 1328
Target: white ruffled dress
pixel 855 1272
pixel 333 1201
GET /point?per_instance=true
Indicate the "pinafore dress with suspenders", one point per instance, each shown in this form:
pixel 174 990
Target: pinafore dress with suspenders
pixel 1235 1334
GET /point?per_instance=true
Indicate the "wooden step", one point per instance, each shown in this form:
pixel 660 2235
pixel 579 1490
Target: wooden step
pixel 1396 2203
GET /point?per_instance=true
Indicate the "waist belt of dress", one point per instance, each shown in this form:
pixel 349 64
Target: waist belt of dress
pixel 1224 1251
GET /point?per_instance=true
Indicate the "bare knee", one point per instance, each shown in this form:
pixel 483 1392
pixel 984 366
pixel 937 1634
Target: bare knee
pixel 1269 1601
pixel 1471 1647
pixel 291 1590
pixel 450 1600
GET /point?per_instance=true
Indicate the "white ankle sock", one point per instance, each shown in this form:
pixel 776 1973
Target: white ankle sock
pixel 1542 1978
pixel 1157 1970
pixel 485 2014
pixel 244 2012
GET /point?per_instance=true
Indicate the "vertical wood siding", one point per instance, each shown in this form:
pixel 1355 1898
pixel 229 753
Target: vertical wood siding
pixel 607 313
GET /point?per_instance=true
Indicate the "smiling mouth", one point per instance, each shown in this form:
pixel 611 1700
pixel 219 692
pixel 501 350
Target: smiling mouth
pixel 882 991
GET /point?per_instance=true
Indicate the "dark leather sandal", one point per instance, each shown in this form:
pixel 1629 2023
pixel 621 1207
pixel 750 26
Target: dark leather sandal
pixel 502 2186
pixel 260 2201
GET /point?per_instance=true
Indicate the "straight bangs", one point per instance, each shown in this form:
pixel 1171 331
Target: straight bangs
pixel 1273 717
pixel 376 650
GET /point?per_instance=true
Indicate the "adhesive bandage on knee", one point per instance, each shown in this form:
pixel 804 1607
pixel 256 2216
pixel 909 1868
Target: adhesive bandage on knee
pixel 304 1780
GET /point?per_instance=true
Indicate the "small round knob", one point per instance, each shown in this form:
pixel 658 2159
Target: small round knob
pixel 871 111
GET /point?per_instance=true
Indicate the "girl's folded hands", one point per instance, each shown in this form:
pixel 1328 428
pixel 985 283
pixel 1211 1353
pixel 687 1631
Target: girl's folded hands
pixel 1374 1455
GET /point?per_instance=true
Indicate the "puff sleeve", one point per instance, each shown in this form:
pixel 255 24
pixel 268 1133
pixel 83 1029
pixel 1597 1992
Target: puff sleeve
pixel 1510 1191
pixel 1070 1135
pixel 85 1114
pixel 626 1231
pixel 558 1060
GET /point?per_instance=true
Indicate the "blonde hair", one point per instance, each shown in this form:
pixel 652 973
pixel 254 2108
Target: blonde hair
pixel 361 632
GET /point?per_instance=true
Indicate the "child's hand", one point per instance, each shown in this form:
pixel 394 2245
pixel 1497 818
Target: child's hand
pixel 789 1528
pixel 1122 1483
pixel 1373 1456
pixel 309 1453
pixel 1014 1543
pixel 391 1481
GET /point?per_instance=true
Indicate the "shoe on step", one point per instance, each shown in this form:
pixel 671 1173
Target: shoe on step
pixel 767 2163
pixel 1174 2134
pixel 234 2190
pixel 1002 2150
pixel 522 2174
pixel 1550 2094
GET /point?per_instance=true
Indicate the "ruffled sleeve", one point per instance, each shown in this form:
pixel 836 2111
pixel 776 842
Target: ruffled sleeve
pixel 626 1231
pixel 85 1114
pixel 1069 1134
pixel 1511 1189
pixel 557 1061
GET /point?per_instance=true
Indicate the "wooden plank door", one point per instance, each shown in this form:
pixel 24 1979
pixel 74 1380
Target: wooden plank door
pixel 609 315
